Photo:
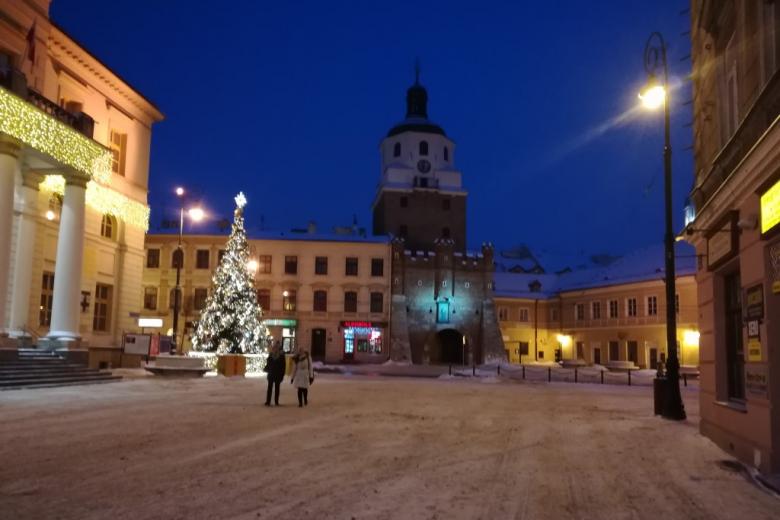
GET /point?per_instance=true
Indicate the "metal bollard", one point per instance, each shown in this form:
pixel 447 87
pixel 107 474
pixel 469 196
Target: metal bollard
pixel 450 369
pixel 629 378
pixel 575 374
pixel 549 374
pixel 685 379
pixel 473 370
pixel 602 377
pixel 523 372
pixel 498 369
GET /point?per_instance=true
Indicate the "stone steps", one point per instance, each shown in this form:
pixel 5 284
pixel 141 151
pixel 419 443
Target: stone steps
pixel 33 368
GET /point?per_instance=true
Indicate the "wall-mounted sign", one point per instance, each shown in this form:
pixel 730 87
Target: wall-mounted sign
pixel 754 350
pixel 774 260
pixel 137 344
pixel 722 243
pixel 770 208
pixel 757 380
pixel 150 323
pixel 753 330
pixel 754 302
pixel 363 324
pixel 275 322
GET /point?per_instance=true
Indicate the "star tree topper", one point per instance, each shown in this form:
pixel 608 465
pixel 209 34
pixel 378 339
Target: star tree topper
pixel 240 200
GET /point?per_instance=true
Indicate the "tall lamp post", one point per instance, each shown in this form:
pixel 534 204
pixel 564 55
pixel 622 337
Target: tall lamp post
pixel 196 214
pixel 653 96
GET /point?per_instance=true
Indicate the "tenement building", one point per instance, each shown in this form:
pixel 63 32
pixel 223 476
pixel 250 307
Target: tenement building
pixel 74 166
pixel 611 315
pixel 325 291
pixel 442 307
pixel 736 230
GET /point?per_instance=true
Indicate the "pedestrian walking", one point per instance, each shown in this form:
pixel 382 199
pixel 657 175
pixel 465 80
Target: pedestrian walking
pixel 274 368
pixel 302 376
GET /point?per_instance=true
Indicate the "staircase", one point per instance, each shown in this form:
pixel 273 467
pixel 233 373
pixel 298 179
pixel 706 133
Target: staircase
pixel 44 368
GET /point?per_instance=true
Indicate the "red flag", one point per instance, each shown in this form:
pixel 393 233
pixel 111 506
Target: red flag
pixel 31 43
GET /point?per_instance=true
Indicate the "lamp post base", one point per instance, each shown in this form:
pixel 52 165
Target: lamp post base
pixel 673 408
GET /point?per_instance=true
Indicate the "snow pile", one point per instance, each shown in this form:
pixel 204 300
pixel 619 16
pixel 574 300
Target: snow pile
pixel 391 363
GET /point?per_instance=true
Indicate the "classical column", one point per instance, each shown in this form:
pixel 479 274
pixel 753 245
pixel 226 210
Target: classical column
pixel 70 255
pixel 9 162
pixel 25 242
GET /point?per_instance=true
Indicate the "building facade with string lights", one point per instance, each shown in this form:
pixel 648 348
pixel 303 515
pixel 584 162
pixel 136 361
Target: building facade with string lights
pixel 736 229
pixel 74 165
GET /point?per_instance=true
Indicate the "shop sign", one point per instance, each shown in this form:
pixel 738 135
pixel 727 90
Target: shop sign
pixel 722 244
pixel 276 322
pixel 754 300
pixel 770 208
pixel 362 325
pixel 754 350
pixel 757 380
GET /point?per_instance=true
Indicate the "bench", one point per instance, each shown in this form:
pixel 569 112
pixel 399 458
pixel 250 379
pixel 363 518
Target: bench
pixel 180 366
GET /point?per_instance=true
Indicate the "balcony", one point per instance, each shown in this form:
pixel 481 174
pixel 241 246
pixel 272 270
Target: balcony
pixel 758 119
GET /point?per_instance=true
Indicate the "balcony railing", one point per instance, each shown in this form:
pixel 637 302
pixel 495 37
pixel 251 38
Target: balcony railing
pixel 763 112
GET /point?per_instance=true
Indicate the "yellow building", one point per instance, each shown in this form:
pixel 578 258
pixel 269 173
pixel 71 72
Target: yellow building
pixel 328 292
pixel 612 315
pixel 74 168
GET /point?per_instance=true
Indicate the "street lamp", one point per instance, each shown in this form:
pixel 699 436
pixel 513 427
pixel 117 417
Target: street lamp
pixel 196 214
pixel 652 97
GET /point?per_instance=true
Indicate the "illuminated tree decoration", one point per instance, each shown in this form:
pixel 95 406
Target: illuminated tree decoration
pixel 231 322
pixel 46 134
pixel 104 200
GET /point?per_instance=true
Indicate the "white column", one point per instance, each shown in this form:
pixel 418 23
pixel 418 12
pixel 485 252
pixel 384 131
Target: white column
pixel 9 160
pixel 70 256
pixel 20 302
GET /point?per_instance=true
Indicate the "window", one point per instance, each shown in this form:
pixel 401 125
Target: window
pixel 351 267
pixel 522 350
pixel 403 231
pixel 150 298
pixel 445 232
pixel 595 310
pixel 579 311
pixel 652 306
pixel 523 314
pixel 321 265
pixel 107 226
pixel 423 147
pixel 177 258
pixel 377 302
pixel 728 91
pixel 118 147
pixel 503 314
pixel 443 312
pixel 613 308
pixel 404 201
pixel 614 351
pixel 350 301
pixel 397 150
pixel 320 301
pixel 631 307
pixel 264 298
pixel 153 258
pixel 199 298
pixel 768 40
pixel 288 300
pixel 47 299
pixel 102 318
pixel 633 352
pixel 735 353
pixel 202 259
pixel 172 298
pixel 264 264
pixel 220 255
pixel 290 265
pixel 446 154
pixel 377 267
pixel 553 314
pixel 580 350
pixel 541 354
pixel 445 204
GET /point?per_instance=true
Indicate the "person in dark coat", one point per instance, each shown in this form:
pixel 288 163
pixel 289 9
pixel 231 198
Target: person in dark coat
pixel 274 367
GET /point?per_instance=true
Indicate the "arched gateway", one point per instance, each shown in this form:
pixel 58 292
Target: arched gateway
pixel 451 348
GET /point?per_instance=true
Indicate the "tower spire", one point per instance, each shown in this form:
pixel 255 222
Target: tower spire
pixel 417 71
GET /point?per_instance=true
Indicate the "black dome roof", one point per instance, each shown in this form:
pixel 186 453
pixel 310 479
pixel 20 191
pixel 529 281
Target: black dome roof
pixel 416 113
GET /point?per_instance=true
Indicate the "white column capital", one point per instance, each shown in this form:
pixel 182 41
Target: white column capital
pixel 10 146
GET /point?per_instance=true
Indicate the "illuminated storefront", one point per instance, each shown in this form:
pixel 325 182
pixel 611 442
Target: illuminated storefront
pixel 283 330
pixel 363 340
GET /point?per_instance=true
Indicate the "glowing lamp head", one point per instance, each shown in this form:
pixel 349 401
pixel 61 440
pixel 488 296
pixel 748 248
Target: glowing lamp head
pixel 564 340
pixel 50 215
pixel 653 95
pixel 286 293
pixel 252 265
pixel 196 214
pixel 691 338
pixel 179 191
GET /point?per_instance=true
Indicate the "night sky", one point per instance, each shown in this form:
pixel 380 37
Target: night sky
pixel 288 101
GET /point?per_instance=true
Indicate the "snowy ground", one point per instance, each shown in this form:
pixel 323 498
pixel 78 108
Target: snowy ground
pixel 366 447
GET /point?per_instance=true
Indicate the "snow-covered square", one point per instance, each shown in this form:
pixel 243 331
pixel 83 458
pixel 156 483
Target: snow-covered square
pixel 365 447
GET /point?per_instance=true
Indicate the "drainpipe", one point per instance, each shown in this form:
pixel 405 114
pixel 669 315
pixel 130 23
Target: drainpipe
pixel 536 332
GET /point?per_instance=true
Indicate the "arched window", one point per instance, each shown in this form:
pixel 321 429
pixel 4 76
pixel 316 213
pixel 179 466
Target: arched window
pixel 446 154
pixel 107 226
pixel 397 150
pixel 423 147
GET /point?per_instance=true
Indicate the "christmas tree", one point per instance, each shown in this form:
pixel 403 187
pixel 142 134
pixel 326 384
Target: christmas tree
pixel 230 323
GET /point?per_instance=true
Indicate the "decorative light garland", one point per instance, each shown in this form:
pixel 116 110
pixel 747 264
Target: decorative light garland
pixel 104 200
pixel 46 134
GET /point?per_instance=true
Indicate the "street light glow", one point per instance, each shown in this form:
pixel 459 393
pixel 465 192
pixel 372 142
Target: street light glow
pixel 252 265
pixel 50 215
pixel 196 214
pixel 179 191
pixel 653 97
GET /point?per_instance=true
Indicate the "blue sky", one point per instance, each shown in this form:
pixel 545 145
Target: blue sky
pixel 288 101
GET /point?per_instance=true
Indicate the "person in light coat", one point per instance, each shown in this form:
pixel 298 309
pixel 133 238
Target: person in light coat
pixel 302 375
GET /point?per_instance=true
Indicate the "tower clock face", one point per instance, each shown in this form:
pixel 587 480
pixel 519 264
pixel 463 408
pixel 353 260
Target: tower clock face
pixel 423 166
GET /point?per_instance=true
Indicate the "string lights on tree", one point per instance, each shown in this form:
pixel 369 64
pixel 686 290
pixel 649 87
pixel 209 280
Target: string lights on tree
pixel 231 322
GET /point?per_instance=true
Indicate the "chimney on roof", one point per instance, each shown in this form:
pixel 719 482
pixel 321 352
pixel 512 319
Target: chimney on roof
pixel 312 227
